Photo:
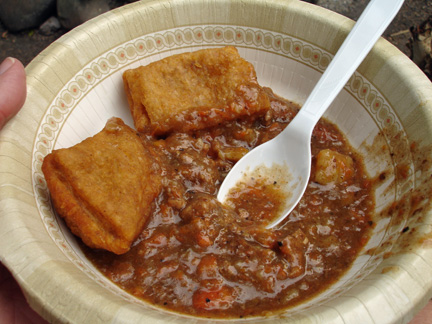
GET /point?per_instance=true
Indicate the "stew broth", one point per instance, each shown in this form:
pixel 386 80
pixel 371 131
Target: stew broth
pixel 199 257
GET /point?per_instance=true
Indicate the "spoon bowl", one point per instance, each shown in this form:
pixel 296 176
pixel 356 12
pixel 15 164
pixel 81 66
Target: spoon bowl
pixel 291 148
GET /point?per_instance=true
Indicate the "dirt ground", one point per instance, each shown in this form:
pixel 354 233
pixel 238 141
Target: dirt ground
pixel 27 44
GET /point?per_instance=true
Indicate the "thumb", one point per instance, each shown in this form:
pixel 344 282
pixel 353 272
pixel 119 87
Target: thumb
pixel 12 88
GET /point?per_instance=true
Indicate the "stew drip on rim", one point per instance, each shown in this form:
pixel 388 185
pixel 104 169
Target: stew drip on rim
pixel 199 257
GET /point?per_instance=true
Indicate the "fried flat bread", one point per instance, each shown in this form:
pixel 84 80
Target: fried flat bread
pixel 192 91
pixel 104 187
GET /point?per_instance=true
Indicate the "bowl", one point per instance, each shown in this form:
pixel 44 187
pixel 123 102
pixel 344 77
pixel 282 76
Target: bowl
pixel 75 85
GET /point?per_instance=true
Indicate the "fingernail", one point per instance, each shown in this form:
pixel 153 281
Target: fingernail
pixel 6 64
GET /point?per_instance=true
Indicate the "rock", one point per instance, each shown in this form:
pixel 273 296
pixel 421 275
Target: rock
pixel 50 26
pixel 349 8
pixel 420 46
pixel 24 14
pixel 72 13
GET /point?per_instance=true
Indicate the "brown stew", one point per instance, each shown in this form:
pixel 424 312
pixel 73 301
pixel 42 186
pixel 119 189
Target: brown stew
pixel 198 257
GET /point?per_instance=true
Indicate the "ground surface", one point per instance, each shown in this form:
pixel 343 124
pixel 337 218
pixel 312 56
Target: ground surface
pixel 27 44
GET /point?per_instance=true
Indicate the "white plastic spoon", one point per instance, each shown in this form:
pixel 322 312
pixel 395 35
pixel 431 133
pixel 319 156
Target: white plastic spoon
pixel 291 148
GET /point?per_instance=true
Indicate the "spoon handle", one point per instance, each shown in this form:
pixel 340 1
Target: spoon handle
pixel 368 29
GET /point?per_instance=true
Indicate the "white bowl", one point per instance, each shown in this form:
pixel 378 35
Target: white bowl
pixel 75 85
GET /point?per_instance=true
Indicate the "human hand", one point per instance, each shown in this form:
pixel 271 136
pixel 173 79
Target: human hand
pixel 12 89
pixel 14 308
pixel 425 315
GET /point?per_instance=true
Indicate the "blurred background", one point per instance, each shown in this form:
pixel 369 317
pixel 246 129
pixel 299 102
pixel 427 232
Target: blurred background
pixel 29 26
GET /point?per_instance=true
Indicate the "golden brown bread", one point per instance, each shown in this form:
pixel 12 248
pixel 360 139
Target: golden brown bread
pixel 195 90
pixel 102 186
